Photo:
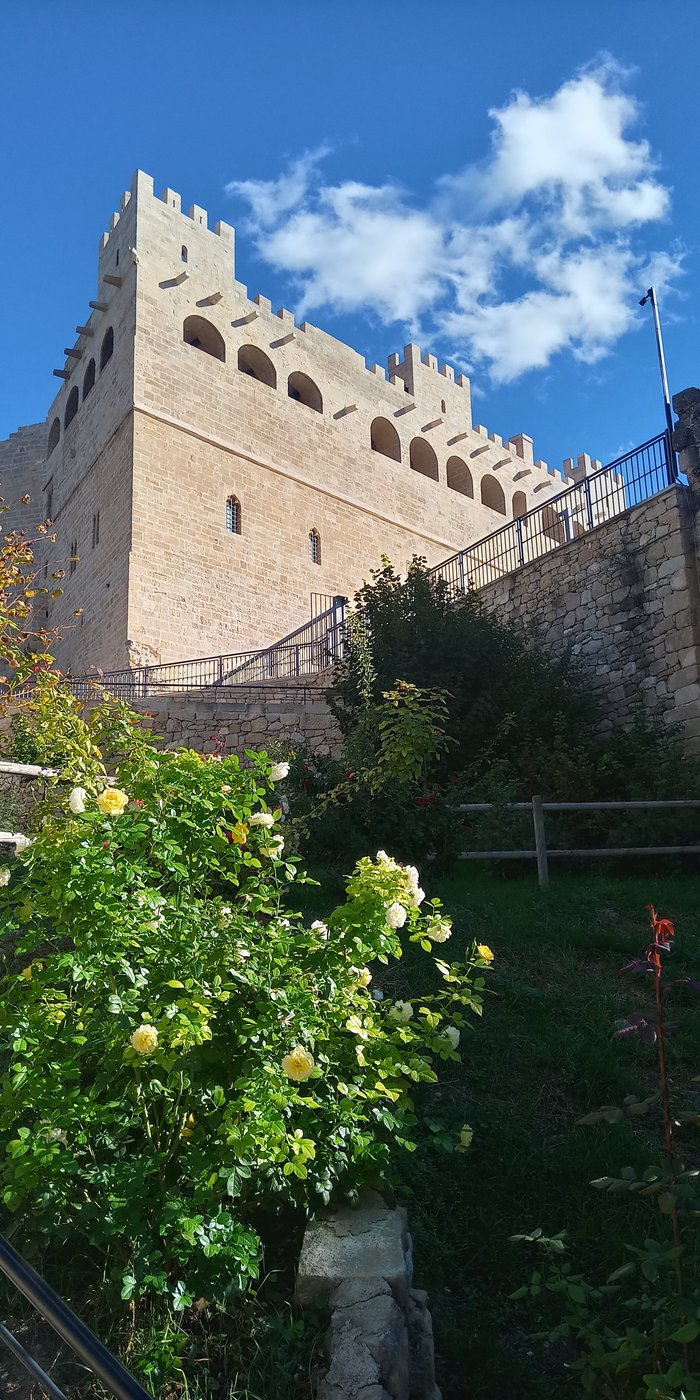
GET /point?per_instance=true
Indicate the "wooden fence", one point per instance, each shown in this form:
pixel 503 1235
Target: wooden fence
pixel 543 856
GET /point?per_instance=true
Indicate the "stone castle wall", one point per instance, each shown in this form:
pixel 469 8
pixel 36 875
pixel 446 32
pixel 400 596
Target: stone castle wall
pixel 624 599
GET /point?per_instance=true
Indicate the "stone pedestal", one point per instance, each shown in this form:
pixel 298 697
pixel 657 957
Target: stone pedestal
pixel 358 1264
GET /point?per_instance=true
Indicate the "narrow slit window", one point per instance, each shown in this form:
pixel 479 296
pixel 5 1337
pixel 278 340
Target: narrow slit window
pixel 73 556
pixel 96 529
pixel 183 254
pixel 233 515
pixel 314 547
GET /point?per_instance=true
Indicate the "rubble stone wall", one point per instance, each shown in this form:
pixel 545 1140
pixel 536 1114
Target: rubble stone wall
pixel 257 717
pixel 624 599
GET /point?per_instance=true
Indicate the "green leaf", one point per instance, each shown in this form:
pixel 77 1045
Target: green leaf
pixel 687 1333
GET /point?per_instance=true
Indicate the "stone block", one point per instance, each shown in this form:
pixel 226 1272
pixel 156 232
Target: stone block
pixel 688 694
pixel 369 1242
pixel 421 1350
pixel 377 1326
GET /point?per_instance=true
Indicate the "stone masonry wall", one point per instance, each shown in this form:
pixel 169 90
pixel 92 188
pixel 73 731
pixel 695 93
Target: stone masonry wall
pixel 256 717
pixel 624 598
pixel 21 474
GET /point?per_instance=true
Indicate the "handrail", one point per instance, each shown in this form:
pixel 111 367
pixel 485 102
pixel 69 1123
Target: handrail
pixel 609 492
pixel 304 651
pixel 93 1353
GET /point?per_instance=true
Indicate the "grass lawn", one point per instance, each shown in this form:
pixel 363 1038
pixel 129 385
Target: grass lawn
pixel 541 1057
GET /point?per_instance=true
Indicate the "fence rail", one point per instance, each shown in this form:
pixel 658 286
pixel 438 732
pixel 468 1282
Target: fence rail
pixel 602 496
pixel 85 1345
pixel 543 855
pixel 303 652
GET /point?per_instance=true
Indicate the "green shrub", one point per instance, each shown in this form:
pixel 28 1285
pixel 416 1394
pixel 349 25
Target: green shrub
pixel 181 1055
pixel 482 713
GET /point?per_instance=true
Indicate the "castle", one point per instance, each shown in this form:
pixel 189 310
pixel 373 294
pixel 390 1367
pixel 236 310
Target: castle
pixel 210 466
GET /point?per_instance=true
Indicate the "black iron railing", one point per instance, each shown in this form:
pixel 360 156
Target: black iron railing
pixel 602 496
pixel 85 1345
pixel 304 652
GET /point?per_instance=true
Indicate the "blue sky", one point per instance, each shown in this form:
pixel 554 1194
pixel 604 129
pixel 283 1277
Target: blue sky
pixel 492 180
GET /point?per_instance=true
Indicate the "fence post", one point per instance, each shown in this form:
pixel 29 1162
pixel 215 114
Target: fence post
pixel 540 843
pixel 462 586
pixel 589 503
pixel 521 547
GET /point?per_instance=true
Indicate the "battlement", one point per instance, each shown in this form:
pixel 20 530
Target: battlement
pixel 142 188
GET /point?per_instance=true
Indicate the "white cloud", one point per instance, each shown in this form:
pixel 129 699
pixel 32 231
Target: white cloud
pixel 556 210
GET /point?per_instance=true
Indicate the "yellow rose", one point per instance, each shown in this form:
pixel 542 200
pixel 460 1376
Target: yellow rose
pixel 112 802
pixel 484 952
pixel 364 977
pixel 298 1064
pixel 27 973
pixel 145 1040
pixel 238 834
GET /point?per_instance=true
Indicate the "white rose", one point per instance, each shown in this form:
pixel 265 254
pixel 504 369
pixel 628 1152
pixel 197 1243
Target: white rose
pixel 401 1011
pixel 439 931
pixel 262 819
pixel 4 875
pixel 278 771
pixel 416 897
pixel 388 861
pixel 275 849
pixel 22 843
pixel 396 915
pixel 452 1034
pixel 76 801
pixel 320 928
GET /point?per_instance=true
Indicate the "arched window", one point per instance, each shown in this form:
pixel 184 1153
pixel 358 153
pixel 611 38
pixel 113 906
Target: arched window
pixel 257 365
pixel 314 547
pixel 54 436
pixel 385 439
pixel 89 379
pixel 71 406
pixel 492 494
pixel 107 347
pixel 459 477
pixel 201 334
pixel 519 504
pixel 233 515
pixel 303 389
pixel 423 458
pixel 183 254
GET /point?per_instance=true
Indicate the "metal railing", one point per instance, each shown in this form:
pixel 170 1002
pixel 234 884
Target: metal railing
pixel 602 496
pixel 89 1350
pixel 303 652
pixel 542 854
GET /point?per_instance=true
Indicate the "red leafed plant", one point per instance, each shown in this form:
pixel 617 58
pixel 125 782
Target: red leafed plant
pixel 646 1345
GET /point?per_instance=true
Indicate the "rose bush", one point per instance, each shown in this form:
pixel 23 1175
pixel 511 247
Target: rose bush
pixel 181 1053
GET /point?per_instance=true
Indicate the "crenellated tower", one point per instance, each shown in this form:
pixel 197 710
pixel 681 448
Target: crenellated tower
pixel 212 464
